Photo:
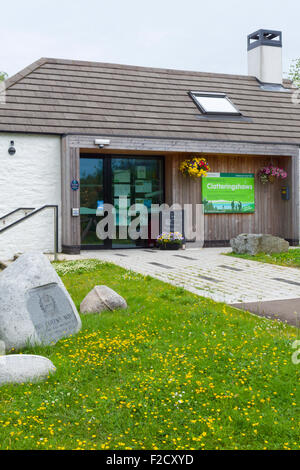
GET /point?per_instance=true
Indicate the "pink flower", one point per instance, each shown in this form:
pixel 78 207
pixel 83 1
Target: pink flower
pixel 273 171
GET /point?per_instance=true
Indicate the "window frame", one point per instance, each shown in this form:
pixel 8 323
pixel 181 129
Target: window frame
pixel 195 94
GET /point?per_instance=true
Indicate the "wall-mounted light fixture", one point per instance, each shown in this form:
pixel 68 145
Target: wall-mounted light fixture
pixel 102 142
pixel 12 149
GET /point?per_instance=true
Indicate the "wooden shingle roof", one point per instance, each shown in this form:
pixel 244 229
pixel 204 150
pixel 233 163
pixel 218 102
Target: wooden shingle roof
pixel 76 97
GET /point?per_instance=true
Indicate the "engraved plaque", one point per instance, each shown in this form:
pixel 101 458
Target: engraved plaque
pixel 51 313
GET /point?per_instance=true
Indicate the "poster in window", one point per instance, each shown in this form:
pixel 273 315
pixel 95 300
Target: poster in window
pixel 121 190
pixel 121 176
pixel 141 172
pixel 143 186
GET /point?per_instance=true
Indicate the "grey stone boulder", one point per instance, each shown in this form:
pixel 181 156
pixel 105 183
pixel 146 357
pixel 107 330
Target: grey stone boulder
pixel 24 368
pixel 102 298
pixel 2 348
pixel 252 244
pixel 35 307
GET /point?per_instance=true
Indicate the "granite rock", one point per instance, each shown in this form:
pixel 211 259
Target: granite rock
pixel 2 348
pixel 35 307
pixel 102 298
pixel 253 244
pixel 24 368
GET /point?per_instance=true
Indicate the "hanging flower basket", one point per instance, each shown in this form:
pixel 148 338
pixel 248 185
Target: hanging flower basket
pixel 194 167
pixel 270 173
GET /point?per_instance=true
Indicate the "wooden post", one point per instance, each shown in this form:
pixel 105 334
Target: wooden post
pixel 70 170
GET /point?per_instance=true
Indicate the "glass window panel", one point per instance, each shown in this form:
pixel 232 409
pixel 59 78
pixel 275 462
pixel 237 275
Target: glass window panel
pixel 145 186
pixel 91 199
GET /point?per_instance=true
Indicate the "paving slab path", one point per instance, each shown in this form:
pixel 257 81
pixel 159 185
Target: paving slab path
pixel 210 273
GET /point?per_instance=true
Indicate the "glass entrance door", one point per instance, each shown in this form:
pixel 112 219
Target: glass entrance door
pixel 140 181
pixel 114 180
pixel 91 200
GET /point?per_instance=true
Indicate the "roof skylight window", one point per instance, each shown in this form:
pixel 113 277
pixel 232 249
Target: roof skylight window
pixel 214 103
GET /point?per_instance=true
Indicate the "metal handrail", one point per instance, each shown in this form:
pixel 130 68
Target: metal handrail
pixel 17 210
pixel 36 211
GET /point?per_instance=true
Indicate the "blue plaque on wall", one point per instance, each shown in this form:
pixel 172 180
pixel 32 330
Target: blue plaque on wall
pixel 75 185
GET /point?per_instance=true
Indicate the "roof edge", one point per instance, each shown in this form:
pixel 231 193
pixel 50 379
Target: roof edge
pixel 87 63
pixel 23 73
pixel 51 60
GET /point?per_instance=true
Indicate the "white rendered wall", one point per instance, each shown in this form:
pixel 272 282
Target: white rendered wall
pixel 30 178
pixel 265 63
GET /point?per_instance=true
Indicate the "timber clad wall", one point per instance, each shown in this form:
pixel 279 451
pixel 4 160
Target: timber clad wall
pixel 70 199
pixel 272 214
pixel 160 145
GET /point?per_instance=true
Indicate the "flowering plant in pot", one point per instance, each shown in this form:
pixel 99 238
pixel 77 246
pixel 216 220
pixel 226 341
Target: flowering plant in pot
pixel 194 167
pixel 170 240
pixel 269 173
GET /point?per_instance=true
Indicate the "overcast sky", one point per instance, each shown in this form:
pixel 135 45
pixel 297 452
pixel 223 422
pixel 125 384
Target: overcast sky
pixel 202 35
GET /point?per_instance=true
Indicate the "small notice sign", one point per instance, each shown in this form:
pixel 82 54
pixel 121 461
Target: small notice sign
pixel 75 185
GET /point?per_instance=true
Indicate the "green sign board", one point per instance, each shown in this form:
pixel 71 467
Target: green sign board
pixel 228 193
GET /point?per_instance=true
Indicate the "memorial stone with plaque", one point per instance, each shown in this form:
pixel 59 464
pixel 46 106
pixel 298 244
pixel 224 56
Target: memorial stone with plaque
pixel 35 307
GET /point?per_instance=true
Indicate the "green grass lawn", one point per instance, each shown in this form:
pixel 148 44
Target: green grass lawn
pixel 291 258
pixel 173 371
